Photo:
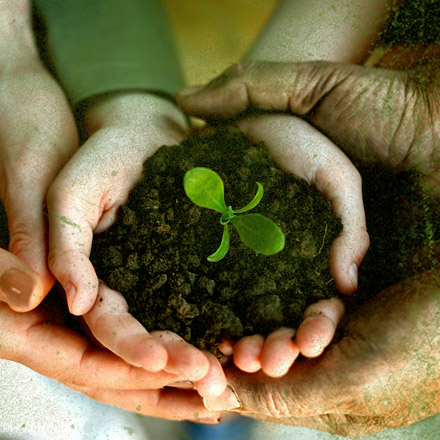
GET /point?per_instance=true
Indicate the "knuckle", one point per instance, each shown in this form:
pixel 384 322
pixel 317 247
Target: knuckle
pixel 20 240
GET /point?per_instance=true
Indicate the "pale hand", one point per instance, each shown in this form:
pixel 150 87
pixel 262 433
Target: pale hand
pixel 37 136
pixel 123 131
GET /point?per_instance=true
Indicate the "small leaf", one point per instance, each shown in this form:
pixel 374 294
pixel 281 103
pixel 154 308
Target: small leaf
pixel 254 202
pixel 259 233
pixel 224 246
pixel 204 187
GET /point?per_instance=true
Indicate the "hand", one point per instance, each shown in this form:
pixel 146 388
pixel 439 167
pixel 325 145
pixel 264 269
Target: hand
pixel 382 372
pixel 377 116
pixel 124 130
pixel 37 136
pixel 300 149
pixel 39 340
pixel 335 97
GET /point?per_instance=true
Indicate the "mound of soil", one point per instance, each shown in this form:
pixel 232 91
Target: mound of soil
pixel 156 253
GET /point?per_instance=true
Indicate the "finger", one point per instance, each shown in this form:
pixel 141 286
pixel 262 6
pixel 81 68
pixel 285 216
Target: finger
pixel 214 382
pixel 169 404
pixel 279 352
pixel 307 390
pixel 247 353
pixel 297 87
pixel 226 347
pixel 120 332
pixel 184 360
pixel 77 200
pixel 70 242
pixel 318 326
pixel 64 355
pixel 20 286
pixel 27 232
pixel 300 149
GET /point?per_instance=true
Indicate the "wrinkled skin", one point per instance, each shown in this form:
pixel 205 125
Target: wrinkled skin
pixel 384 371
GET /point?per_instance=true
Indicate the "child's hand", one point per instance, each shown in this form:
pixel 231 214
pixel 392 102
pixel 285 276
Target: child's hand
pixel 124 130
pixel 300 149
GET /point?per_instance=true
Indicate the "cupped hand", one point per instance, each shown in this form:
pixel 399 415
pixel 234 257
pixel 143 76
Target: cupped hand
pixel 377 116
pixel 37 136
pixel 40 340
pixel 124 129
pixel 300 149
pixel 382 372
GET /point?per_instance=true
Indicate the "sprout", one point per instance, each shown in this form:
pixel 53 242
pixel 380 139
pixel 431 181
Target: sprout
pixel 204 187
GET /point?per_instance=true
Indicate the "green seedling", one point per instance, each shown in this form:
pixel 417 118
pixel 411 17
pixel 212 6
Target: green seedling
pixel 204 188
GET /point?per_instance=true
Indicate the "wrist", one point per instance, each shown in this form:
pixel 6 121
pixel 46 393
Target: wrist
pixel 130 108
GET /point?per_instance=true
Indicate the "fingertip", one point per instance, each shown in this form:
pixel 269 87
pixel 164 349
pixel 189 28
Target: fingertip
pixel 184 359
pixel 247 353
pixel 346 254
pixel 22 290
pixel 279 353
pixel 313 335
pixel 80 301
pixel 226 347
pixel 214 383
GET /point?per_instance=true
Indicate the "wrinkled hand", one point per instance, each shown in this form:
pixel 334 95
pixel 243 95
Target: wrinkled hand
pixel 39 340
pixel 383 371
pixel 124 130
pixel 375 377
pixel 37 136
pixel 377 116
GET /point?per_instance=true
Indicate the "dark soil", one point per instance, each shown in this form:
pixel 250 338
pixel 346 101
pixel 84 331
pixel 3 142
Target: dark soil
pixel 156 253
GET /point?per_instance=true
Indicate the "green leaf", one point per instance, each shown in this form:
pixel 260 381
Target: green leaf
pixel 259 233
pixel 224 246
pixel 204 187
pixel 254 202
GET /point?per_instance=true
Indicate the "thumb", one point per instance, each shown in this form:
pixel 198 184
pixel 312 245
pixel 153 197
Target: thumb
pixel 20 286
pixel 262 85
pixel 309 389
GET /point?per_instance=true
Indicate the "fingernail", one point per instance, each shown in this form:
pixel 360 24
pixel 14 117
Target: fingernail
pixel 190 90
pixel 70 295
pixel 353 272
pixel 16 288
pixel 227 401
